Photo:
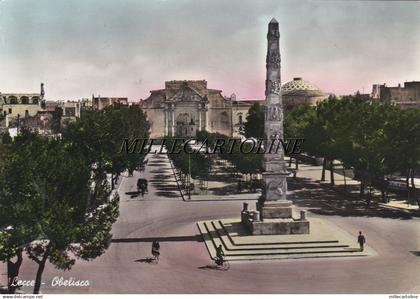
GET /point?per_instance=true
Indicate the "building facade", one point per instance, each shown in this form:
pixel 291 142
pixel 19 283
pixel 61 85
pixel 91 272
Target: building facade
pixel 19 105
pixel 184 107
pixel 403 97
pixel 99 103
pixel 240 111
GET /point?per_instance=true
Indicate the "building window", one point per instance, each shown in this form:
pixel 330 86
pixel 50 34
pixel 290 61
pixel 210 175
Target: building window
pixel 10 110
pixel 12 100
pixel 26 113
pixel 224 120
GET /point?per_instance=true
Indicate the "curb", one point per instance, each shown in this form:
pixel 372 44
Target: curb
pixel 176 179
pixel 415 212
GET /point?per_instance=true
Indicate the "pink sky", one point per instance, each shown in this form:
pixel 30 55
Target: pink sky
pixel 128 48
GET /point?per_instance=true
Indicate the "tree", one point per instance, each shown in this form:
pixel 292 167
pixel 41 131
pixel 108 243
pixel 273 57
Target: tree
pixel 56 119
pixel 16 228
pixel 254 125
pixel 99 136
pixel 402 151
pixel 60 213
pixel 295 122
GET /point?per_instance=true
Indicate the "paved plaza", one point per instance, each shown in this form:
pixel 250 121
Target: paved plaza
pixel 185 266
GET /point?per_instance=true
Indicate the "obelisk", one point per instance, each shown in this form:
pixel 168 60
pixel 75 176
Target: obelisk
pixel 274 213
pixel 273 203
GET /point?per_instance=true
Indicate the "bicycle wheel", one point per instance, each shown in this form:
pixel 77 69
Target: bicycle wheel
pixel 226 265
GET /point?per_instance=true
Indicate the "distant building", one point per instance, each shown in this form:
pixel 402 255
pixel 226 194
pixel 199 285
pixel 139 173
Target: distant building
pixel 99 103
pixel 240 110
pixel 184 107
pixel 403 97
pixel 19 105
pixel 299 92
pixel 71 111
pixel 39 123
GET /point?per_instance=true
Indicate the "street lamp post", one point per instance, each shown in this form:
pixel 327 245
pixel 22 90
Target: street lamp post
pixel 189 176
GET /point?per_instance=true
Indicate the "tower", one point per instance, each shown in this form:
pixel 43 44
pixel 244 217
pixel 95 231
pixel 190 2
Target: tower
pixel 42 93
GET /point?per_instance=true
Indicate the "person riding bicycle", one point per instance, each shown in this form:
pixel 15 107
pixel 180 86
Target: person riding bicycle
pixel 219 255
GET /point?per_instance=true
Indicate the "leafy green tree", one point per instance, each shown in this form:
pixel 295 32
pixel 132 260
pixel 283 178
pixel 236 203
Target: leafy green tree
pixel 59 213
pixel 56 119
pixel 99 135
pixel 16 228
pixel 254 125
pixel 402 150
pixel 295 122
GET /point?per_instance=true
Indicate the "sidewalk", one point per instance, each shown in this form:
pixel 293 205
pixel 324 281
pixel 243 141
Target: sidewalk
pixel 350 187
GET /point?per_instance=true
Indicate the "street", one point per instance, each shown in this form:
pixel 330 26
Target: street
pixel 162 215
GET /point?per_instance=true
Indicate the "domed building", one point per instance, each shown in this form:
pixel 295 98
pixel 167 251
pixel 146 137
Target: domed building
pixel 299 92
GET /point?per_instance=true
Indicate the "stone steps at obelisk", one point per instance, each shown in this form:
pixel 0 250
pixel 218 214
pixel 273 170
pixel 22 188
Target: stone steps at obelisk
pixel 237 248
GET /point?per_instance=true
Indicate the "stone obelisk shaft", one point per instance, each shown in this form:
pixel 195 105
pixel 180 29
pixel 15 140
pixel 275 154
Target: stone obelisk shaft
pixel 274 193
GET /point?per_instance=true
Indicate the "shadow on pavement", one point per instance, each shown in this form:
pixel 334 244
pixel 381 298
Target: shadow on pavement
pixel 196 238
pixel 211 267
pixel 147 260
pixel 416 253
pixel 323 201
pixel 168 194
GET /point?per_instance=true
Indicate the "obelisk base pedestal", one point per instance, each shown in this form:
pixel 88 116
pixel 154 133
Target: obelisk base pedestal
pixel 275 209
pixel 274 218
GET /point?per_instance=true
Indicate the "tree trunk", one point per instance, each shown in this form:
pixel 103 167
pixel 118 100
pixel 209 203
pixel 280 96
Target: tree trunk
pixel 412 178
pixel 297 164
pixel 13 271
pixel 345 179
pixel 416 196
pixel 407 181
pixel 383 188
pixel 415 192
pixel 41 266
pixel 290 161
pixel 324 165
pixel 362 188
pixel 332 172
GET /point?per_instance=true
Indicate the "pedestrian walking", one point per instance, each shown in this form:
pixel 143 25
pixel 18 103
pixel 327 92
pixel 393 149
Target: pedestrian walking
pixel 239 188
pixel 361 240
pixel 156 250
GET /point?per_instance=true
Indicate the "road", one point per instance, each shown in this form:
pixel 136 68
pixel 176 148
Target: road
pixel 162 215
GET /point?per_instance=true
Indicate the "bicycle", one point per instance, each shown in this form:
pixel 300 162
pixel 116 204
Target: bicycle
pixel 156 255
pixel 221 264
